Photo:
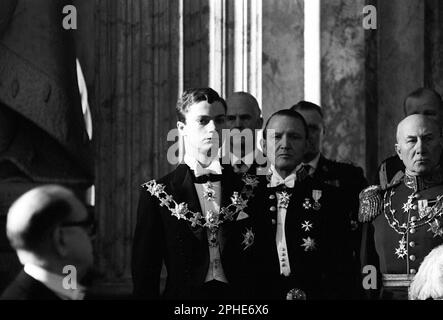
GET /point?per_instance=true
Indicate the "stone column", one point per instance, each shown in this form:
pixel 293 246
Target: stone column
pixel 136 91
pixel 343 79
pixel 283 54
pixel 400 64
pixel 434 44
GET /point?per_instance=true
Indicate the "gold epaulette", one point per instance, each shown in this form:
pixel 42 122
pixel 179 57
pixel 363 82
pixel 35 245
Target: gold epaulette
pixel 371 203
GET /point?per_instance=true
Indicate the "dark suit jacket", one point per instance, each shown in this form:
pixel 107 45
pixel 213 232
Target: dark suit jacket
pixel 159 236
pixel 25 287
pixel 347 177
pixel 321 273
pixel 351 181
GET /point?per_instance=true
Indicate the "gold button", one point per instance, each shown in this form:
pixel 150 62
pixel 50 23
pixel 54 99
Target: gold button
pixel 412 244
pixel 412 257
pixel 273 208
pixel 412 271
pixel 414 218
pixel 412 231
pixel 272 197
pixel 414 207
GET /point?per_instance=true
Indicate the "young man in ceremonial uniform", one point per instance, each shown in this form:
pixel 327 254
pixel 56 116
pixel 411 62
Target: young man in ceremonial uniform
pixel 302 245
pixel 188 219
pixel 404 221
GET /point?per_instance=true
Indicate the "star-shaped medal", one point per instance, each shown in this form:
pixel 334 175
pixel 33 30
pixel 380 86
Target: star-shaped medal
pixel 401 251
pixel 283 199
pixel 435 228
pixel 308 244
pixel 306 226
pixel 407 206
pixel 307 204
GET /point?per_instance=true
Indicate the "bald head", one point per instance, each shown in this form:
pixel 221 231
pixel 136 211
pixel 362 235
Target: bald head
pixel 419 144
pixel 243 111
pixel 32 217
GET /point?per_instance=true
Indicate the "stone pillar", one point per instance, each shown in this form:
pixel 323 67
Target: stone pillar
pixel 283 54
pixel 434 44
pixel 136 91
pixel 343 79
pixel 400 64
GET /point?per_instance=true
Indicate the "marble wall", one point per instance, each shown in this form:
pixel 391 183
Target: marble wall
pixel 343 80
pixel 400 64
pixel 283 52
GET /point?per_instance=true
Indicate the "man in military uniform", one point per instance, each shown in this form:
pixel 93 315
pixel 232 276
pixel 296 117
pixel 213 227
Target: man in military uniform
pixel 424 101
pixel 347 177
pixel 244 115
pixel 403 222
pixel 302 244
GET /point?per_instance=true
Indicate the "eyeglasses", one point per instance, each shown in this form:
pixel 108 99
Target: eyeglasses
pixel 90 225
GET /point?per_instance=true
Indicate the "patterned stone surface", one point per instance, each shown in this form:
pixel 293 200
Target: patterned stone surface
pixel 343 79
pixel 283 54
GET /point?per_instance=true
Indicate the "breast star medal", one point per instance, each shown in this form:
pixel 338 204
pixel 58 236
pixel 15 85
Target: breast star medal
pixel 309 244
pixel 283 199
pixel 401 251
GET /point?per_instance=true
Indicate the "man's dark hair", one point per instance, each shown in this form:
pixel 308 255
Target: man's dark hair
pixel 195 95
pixel 41 224
pixel 420 92
pixel 287 113
pixel 306 105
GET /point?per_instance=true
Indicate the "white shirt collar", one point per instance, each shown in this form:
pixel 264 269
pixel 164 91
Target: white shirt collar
pixel 54 282
pixel 214 167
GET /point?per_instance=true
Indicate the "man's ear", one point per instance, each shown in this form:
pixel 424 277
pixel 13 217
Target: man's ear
pixel 181 127
pixel 397 150
pixel 59 241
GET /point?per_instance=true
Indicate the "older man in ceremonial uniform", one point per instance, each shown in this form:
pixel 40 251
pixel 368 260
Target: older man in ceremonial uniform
pixel 404 220
pixel 302 245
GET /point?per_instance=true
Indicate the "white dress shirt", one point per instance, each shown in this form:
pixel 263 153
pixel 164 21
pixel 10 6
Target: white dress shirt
pixel 215 270
pixel 55 283
pixel 280 237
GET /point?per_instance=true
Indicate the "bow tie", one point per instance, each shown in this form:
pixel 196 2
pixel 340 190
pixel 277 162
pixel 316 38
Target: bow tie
pixel 213 168
pixel 277 181
pixel 208 177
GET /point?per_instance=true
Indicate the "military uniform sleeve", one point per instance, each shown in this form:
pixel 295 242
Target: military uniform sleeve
pixel 147 249
pixel 371 205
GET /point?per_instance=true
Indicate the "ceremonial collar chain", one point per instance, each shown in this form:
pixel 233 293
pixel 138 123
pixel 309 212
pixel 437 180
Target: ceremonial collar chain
pixel 428 215
pixel 211 219
pixel 418 183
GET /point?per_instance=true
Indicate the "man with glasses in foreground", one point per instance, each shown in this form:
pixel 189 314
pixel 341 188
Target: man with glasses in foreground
pixel 50 230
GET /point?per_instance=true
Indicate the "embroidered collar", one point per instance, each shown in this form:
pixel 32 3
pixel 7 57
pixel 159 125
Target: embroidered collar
pixel 418 183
